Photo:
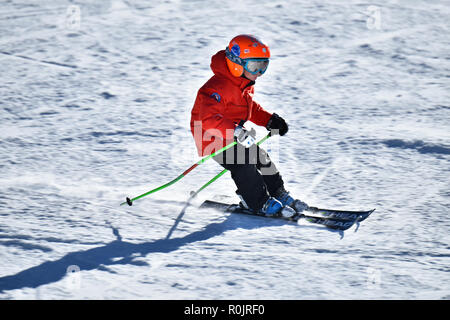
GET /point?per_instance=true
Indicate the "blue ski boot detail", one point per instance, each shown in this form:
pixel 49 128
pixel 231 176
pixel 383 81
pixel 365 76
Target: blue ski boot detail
pixel 286 200
pixel 273 207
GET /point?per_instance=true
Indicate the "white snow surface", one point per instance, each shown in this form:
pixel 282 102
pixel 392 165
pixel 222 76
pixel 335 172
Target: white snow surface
pixel 98 109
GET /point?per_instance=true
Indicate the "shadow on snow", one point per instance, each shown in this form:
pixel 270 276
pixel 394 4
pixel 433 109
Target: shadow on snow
pixel 120 252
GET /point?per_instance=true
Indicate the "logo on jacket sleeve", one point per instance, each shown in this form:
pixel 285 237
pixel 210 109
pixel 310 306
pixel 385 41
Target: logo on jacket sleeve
pixel 216 96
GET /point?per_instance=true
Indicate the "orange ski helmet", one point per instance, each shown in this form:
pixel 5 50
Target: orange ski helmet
pixel 244 47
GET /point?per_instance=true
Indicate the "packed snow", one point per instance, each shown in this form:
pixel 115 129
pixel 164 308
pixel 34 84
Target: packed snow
pixel 95 101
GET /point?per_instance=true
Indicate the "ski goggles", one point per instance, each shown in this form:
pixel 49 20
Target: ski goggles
pixel 252 65
pixel 255 66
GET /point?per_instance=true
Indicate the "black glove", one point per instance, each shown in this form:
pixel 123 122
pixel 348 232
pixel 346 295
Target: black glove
pixel 277 123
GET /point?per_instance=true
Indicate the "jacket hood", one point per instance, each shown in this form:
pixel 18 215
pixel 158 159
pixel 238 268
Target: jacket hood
pixel 219 67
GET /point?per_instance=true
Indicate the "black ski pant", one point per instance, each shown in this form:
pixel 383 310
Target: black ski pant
pixel 254 174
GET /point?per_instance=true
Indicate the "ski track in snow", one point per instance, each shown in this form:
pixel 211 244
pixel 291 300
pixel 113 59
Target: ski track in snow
pixel 93 114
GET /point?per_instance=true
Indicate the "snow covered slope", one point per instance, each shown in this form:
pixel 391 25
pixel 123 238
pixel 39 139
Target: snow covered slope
pixel 95 100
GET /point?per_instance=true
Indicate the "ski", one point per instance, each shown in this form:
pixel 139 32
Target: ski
pixel 329 222
pixel 346 215
pixel 235 208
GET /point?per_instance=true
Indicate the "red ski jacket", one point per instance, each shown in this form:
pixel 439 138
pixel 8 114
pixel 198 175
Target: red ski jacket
pixel 222 102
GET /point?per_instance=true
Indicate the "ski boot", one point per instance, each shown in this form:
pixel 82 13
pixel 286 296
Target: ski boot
pixel 286 200
pixel 272 207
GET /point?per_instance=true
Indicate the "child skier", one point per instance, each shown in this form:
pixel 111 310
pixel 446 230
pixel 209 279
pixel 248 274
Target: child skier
pixel 222 105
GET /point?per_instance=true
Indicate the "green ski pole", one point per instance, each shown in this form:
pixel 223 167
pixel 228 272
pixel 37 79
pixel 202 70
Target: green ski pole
pixel 130 201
